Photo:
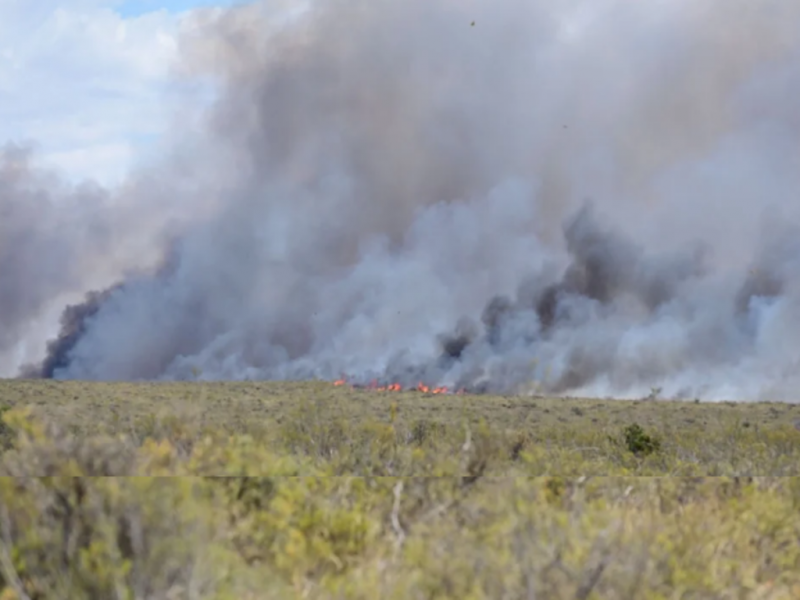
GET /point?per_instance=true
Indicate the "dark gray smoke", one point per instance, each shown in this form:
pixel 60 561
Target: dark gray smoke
pixel 74 321
pixel 58 239
pixel 397 194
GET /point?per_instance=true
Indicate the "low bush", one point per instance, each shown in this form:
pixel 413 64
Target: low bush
pixel 396 504
pixel 640 443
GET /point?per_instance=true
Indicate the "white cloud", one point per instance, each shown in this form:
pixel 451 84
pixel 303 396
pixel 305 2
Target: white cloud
pixel 88 81
pixel 85 84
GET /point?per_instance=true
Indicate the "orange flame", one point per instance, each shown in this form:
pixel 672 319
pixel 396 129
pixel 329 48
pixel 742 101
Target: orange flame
pixel 396 387
pixel 426 389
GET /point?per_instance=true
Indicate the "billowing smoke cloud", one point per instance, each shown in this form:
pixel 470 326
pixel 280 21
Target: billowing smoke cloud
pixel 51 236
pixel 74 321
pixel 58 240
pixel 587 197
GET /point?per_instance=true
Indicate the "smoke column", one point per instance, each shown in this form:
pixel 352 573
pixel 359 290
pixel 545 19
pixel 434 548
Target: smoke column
pixel 584 197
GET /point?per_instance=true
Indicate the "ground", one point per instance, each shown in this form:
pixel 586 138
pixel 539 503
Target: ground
pixel 284 490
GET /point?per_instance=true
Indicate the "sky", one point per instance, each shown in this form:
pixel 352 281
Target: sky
pixel 135 8
pixel 87 81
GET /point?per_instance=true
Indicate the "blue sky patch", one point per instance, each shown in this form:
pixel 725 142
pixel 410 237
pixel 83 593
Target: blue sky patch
pixel 135 8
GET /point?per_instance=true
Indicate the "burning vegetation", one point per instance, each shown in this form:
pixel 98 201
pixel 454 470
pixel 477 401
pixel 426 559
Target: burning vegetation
pixel 375 386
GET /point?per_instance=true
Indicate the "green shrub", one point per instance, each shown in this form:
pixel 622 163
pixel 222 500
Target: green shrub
pixel 640 443
pixel 6 432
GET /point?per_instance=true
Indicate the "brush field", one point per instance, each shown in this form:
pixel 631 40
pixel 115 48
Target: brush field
pixel 306 490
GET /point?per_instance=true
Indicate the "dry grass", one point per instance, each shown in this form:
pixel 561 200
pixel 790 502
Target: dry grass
pixel 280 490
pixel 88 408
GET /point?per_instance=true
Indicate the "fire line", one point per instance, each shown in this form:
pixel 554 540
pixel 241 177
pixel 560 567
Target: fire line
pixel 374 386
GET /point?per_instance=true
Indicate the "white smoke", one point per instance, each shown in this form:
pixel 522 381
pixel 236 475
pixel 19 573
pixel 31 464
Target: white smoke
pixel 388 168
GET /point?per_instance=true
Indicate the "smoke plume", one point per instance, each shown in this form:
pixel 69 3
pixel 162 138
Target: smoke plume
pixel 585 197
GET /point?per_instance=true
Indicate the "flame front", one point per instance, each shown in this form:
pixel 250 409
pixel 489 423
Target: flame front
pixel 396 387
pixel 425 389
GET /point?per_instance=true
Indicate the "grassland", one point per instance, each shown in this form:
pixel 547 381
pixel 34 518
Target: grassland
pixel 282 490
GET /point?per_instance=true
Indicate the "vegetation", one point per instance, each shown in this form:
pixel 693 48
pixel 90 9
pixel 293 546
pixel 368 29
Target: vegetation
pixel 277 490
